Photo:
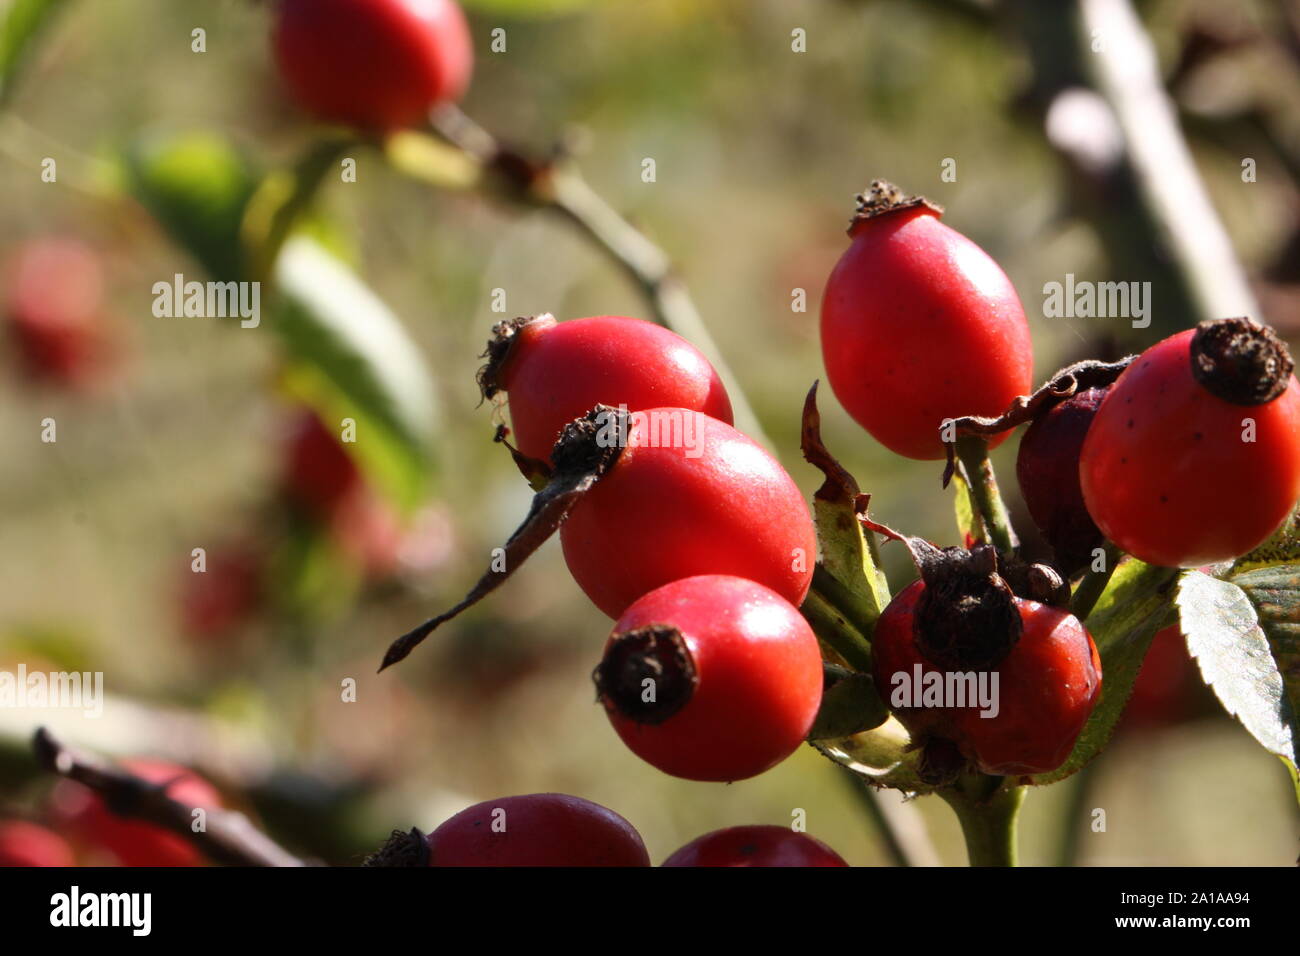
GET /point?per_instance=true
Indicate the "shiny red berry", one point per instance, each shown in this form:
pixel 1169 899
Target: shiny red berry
pixel 539 829
pixel 688 495
pixel 554 372
pixel 755 846
pixel 1046 688
pixel 1194 456
pixel 1047 468
pixel 30 844
pixel 375 64
pixel 134 842
pixel 919 324
pixel 711 678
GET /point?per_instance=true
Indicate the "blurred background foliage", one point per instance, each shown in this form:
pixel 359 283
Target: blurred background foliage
pixel 758 151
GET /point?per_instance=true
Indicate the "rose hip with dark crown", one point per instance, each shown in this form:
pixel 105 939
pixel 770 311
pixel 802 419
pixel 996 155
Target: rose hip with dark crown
pixel 1194 456
pixel 918 324
pixel 711 678
pixel 1048 685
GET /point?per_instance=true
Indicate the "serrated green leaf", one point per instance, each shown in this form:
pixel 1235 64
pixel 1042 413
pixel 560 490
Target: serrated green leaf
pixel 1136 603
pixel 354 359
pixel 21 23
pixel 1226 637
pixel 197 186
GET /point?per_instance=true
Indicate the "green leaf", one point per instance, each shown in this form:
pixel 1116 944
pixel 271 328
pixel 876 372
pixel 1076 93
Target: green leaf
pixel 197 186
pixel 1283 547
pixel 1236 656
pixel 353 358
pixel 969 526
pixel 881 756
pixel 1136 603
pixel 21 23
pixel 849 705
pixel 849 575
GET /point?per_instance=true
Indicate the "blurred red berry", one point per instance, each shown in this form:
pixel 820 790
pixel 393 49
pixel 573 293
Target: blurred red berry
pixel 376 64
pixel 54 310
pixel 134 842
pixel 30 844
pixel 319 474
pixel 216 601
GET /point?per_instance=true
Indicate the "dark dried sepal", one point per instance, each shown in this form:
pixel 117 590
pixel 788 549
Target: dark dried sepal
pixel 581 457
pixel 966 619
pixel 1240 361
pixel 402 848
pixel 657 653
pixel 1064 384
pixel 883 197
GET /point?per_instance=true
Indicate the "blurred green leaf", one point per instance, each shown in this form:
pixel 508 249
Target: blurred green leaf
pixel 968 525
pixel 353 358
pixel 1236 655
pixel 1136 603
pixel 21 22
pixel 197 187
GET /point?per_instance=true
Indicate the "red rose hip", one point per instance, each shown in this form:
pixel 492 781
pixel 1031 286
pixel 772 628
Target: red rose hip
pixel 755 846
pixel 375 64
pixel 1194 456
pixel 688 495
pixel 540 829
pixel 554 372
pixel 1047 468
pixel 711 678
pixel 918 325
pixel 1047 686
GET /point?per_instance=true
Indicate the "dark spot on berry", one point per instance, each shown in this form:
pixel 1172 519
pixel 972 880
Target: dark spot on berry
pixel 1164 500
pixel 749 849
pixel 1198 436
pixel 1130 423
pixel 1123 461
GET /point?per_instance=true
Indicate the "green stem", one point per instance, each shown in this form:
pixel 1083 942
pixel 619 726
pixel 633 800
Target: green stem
pixel 1093 584
pixel 1082 791
pixel 973 451
pixel 987 812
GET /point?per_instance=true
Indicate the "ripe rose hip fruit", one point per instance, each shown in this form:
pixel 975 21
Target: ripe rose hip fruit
pixel 919 324
pixel 135 842
pixel 755 846
pixel 1047 468
pixel 539 829
pixel 555 372
pixel 29 844
pixel 54 308
pixel 1194 456
pixel 376 64
pixel 1047 687
pixel 736 675
pixel 688 495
